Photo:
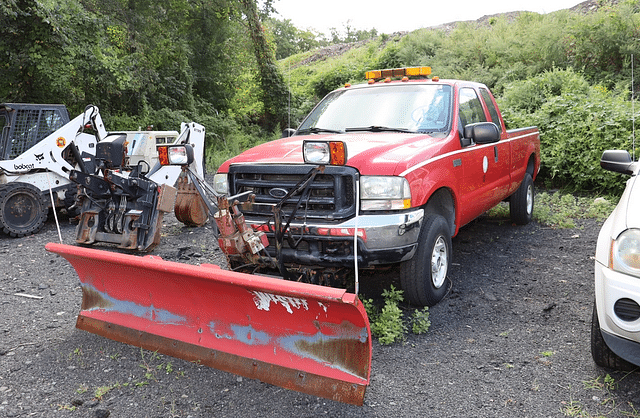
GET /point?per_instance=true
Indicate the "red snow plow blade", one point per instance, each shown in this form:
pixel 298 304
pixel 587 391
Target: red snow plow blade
pixel 308 338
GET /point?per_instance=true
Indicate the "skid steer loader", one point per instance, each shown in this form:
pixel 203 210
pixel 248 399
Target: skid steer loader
pixel 301 336
pixel 40 146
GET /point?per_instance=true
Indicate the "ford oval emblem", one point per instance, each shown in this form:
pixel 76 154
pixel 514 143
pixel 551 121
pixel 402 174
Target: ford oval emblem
pixel 278 193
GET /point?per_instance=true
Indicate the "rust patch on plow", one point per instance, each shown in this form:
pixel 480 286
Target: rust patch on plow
pixel 313 339
pixel 93 299
pixel 309 383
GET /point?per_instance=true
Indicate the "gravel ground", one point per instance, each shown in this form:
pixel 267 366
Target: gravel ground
pixel 510 340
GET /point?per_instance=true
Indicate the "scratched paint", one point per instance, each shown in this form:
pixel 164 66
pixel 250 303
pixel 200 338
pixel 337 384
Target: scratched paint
pixel 245 334
pixel 332 345
pixel 93 300
pixel 334 348
pixel 263 301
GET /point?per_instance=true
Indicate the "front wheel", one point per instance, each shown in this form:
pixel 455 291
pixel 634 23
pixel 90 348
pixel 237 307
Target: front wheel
pixel 521 202
pixel 602 355
pixel 424 277
pixel 23 210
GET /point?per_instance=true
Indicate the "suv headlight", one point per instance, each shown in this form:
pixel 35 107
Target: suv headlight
pixel 384 193
pixel 221 183
pixel 625 253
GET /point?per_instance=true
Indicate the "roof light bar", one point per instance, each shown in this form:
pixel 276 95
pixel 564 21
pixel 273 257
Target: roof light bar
pixel 398 72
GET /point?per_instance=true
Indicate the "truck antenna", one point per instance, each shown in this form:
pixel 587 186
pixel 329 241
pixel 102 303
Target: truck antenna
pixel 633 113
pixel 289 97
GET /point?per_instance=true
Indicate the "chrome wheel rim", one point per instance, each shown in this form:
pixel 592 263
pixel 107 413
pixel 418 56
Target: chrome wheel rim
pixel 439 262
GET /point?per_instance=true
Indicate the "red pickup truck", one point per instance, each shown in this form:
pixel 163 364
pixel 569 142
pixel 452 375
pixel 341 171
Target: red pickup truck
pixel 422 157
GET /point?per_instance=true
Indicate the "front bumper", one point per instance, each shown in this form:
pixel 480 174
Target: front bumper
pixel 618 296
pixel 382 239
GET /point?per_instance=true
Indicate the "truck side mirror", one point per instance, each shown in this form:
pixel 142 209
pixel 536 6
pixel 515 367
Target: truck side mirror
pixel 482 132
pixel 618 161
pixel 288 132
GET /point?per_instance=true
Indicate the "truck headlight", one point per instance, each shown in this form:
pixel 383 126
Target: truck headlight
pixel 625 253
pixel 324 153
pixel 384 193
pixel 175 155
pixel 221 183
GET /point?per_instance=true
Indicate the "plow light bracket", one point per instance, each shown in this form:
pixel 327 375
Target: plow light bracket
pixel 324 152
pixel 175 154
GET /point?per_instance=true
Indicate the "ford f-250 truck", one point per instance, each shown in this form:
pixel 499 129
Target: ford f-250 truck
pixel 421 157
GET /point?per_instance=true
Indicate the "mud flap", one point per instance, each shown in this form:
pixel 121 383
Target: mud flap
pixel 308 338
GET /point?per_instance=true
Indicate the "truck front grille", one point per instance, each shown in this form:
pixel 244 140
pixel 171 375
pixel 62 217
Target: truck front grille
pixel 331 196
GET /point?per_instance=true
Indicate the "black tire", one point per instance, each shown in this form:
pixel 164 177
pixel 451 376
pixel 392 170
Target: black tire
pixel 424 277
pixel 521 202
pixel 23 210
pixel 601 353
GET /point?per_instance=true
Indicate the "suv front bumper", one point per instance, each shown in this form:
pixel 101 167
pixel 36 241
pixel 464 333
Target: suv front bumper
pixel 618 296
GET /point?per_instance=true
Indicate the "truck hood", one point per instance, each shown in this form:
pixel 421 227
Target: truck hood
pixel 381 153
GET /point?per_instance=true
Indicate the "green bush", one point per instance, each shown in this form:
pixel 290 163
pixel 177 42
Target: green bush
pixel 577 122
pixel 389 324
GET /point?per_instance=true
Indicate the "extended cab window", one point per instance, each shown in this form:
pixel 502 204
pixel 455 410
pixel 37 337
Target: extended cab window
pixel 402 107
pixel 493 112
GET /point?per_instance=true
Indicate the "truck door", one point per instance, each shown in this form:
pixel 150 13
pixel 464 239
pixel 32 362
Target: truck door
pixel 483 166
pixel 499 172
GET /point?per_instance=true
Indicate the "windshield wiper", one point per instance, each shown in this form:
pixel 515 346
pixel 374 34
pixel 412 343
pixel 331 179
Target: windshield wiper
pixel 375 128
pixel 316 130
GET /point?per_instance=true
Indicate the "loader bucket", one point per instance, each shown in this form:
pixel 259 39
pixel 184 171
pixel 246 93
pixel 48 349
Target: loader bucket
pixel 190 208
pixel 308 338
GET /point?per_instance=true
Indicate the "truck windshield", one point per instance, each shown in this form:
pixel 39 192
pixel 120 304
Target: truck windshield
pixel 403 108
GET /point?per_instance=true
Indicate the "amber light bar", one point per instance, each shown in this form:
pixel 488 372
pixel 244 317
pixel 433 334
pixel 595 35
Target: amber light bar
pixel 398 72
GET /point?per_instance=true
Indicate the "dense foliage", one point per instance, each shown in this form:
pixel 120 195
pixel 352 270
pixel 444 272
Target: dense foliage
pixel 147 62
pixel 143 62
pixel 568 72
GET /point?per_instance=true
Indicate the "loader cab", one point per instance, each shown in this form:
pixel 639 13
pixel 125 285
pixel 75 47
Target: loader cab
pixel 26 124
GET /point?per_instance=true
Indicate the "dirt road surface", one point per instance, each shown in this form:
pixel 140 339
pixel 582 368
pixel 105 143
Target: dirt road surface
pixel 510 340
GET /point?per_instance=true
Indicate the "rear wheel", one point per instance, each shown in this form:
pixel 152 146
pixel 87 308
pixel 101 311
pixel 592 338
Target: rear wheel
pixel 23 210
pixel 601 353
pixel 424 277
pixel 521 202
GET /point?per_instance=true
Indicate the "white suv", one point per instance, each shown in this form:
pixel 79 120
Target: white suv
pixel 615 325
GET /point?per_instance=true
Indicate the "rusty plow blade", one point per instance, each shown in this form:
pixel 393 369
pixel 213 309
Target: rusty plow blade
pixel 308 338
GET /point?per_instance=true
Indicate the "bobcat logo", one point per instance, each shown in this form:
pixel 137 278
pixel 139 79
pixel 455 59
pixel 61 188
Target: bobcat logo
pixel 39 157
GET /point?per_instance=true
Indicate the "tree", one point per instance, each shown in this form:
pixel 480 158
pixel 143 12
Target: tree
pixel 32 52
pixel 274 90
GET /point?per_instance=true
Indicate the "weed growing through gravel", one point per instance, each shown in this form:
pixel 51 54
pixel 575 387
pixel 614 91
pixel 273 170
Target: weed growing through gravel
pixel 604 386
pixel 389 324
pixel 103 390
pixel 561 210
pixel 607 383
